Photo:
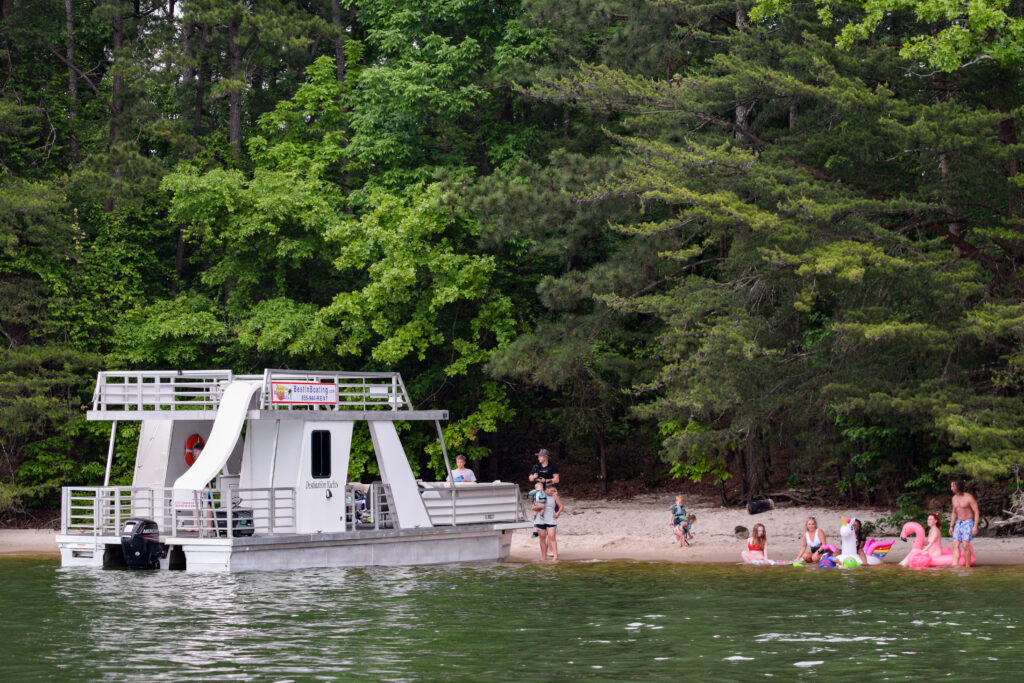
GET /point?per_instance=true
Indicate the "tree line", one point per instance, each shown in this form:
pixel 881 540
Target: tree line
pixel 753 245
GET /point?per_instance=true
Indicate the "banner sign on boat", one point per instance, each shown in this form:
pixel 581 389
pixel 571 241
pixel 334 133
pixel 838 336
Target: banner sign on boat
pixel 304 392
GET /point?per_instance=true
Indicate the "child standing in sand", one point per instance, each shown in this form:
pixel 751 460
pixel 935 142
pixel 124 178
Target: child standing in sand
pixel 680 520
pixel 688 529
pixel 757 545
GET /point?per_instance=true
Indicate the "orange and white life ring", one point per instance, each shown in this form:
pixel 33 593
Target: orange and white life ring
pixel 190 444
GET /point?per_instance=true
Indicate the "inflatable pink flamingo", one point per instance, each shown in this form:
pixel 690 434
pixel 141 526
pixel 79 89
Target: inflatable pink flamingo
pixel 918 559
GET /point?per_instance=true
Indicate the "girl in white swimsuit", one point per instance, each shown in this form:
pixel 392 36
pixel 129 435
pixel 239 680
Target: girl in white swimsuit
pixel 814 539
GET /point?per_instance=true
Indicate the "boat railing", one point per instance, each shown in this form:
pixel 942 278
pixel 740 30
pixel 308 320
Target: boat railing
pixel 302 390
pixel 124 394
pixel 472 503
pixel 102 510
pixel 368 506
pixel 149 390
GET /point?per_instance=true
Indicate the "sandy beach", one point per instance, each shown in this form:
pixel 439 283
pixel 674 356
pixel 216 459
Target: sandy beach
pixel 639 529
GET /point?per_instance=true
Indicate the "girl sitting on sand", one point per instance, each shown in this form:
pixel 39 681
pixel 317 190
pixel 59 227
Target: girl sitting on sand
pixel 814 539
pixel 861 540
pixel 757 545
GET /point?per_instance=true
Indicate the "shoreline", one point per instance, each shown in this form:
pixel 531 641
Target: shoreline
pixel 639 530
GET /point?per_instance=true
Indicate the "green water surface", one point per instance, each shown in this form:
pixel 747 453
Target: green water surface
pixel 610 621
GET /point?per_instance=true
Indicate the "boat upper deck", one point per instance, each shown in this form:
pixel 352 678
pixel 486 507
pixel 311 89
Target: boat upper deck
pixel 285 394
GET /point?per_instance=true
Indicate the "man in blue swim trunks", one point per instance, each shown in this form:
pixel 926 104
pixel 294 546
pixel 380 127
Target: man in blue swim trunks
pixel 963 522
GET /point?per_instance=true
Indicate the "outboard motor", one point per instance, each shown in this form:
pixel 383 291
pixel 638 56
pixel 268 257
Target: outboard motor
pixel 140 542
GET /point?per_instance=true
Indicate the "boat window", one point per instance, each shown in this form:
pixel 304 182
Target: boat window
pixel 321 459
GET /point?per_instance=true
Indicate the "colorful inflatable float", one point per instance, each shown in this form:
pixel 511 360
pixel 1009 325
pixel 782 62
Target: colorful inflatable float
pixel 848 558
pixel 919 559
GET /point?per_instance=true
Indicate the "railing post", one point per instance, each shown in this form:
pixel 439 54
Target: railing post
pixel 272 507
pixel 64 508
pixel 200 527
pixel 95 510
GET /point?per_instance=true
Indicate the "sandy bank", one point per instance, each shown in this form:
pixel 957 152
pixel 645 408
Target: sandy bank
pixel 638 529
pixel 28 542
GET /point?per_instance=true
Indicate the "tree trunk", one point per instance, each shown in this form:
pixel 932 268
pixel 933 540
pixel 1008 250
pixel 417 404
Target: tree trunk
pixel 69 22
pixel 6 8
pixel 188 74
pixel 116 101
pixel 117 94
pixel 494 461
pixel 1007 129
pixel 602 464
pixel 753 470
pixel 201 77
pixel 235 94
pixel 179 259
pixel 742 111
pixel 339 40
pixel 945 169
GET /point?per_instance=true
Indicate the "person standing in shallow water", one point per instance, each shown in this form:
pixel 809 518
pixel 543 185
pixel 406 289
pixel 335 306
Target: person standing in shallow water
pixel 552 512
pixel 963 522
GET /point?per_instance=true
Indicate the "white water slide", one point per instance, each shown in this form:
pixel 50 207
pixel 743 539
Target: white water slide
pixel 227 427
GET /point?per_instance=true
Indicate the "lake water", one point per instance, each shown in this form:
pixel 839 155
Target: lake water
pixel 613 621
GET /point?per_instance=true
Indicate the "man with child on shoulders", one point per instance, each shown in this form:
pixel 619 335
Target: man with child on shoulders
pixel 544 471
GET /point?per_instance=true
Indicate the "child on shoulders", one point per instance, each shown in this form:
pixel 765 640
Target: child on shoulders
pixel 538 502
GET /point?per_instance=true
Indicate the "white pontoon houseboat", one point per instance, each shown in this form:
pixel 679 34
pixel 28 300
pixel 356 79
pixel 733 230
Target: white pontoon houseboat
pixel 242 472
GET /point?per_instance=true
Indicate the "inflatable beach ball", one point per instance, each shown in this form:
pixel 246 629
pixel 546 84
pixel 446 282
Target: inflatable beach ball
pixel 850 563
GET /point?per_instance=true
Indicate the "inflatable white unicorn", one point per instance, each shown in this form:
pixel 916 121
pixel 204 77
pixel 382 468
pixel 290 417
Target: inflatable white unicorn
pixel 848 557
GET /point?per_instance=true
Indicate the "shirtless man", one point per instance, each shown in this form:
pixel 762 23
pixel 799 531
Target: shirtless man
pixel 963 522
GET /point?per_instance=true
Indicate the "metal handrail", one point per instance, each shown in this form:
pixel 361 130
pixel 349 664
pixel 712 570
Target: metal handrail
pixel 377 511
pixel 454 505
pixel 102 510
pixel 160 389
pixel 190 390
pixel 351 390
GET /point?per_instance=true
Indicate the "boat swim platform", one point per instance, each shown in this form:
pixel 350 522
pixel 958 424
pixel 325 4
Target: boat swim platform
pixel 489 542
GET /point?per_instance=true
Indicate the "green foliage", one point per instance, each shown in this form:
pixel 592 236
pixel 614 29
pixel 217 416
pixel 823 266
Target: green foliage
pixel 462 437
pixel 420 288
pixel 959 33
pixel 783 248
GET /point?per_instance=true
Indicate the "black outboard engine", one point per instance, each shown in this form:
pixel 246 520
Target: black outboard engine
pixel 140 542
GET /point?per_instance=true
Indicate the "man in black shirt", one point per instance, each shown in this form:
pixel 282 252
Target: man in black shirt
pixel 544 471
